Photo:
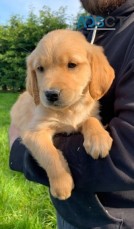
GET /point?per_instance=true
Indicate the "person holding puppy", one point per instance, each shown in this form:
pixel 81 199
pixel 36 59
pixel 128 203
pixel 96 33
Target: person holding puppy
pixel 103 197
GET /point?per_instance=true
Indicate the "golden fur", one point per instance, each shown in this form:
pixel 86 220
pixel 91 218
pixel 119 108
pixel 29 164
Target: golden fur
pixel 65 61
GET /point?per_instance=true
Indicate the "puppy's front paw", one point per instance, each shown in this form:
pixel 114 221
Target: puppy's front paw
pixel 61 187
pixel 98 144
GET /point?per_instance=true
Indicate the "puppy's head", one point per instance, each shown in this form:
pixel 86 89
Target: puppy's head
pixel 64 67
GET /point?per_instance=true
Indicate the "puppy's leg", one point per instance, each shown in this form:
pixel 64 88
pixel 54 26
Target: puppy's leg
pixel 40 144
pixel 97 141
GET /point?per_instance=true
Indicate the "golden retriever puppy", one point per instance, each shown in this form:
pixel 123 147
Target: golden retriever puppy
pixel 66 76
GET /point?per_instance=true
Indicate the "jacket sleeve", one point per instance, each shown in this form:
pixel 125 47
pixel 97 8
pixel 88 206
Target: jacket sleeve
pixel 116 171
pixel 21 160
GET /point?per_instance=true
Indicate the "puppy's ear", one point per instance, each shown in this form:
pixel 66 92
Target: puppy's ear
pixel 31 81
pixel 102 73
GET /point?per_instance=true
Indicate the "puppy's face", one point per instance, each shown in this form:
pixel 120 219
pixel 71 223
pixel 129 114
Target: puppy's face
pixel 64 67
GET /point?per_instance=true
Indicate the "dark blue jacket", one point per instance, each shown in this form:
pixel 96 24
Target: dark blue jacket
pixel 104 189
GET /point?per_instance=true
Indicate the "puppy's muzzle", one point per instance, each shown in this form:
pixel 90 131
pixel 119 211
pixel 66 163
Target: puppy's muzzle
pixel 52 95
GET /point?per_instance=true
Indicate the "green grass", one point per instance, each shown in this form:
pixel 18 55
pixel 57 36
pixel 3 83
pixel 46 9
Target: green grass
pixel 23 204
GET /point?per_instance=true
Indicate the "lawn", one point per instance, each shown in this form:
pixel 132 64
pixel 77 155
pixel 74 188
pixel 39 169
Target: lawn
pixel 23 204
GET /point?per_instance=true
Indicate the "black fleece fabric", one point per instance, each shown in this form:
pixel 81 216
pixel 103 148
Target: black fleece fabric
pixel 104 189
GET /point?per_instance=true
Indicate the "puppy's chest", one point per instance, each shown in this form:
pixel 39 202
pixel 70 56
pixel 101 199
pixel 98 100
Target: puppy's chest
pixel 71 120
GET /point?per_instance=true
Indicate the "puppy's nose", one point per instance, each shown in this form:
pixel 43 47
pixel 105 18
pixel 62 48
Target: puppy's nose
pixel 52 95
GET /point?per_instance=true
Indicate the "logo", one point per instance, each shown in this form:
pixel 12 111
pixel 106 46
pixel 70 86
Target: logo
pixel 102 23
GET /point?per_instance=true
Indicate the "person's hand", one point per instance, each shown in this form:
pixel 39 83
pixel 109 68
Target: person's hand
pixel 14 133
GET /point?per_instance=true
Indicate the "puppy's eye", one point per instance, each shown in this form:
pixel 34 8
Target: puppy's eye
pixel 40 68
pixel 72 65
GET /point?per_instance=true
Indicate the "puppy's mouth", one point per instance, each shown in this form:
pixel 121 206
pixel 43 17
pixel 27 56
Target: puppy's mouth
pixel 56 105
pixel 52 99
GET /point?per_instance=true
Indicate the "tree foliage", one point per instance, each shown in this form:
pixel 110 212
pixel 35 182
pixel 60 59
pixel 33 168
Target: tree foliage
pixel 18 38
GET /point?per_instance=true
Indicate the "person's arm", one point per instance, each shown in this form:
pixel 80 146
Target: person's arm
pixel 21 160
